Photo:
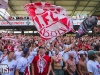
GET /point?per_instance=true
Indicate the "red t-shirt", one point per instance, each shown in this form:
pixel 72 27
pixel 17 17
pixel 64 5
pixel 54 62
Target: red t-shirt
pixel 87 47
pixel 79 46
pixel 45 62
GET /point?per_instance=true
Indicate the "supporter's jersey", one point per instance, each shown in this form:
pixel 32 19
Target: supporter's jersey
pixel 11 65
pixel 50 53
pixel 82 52
pixel 67 46
pixel 79 46
pixel 45 61
pixel 22 63
pixel 35 49
pixel 87 47
pixel 93 67
pixel 65 56
pixel 18 54
pixel 3 58
pixel 15 48
pixel 61 52
pixel 31 56
pixel 1 53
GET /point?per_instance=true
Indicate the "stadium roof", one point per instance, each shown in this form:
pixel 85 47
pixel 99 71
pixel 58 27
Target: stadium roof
pixel 74 7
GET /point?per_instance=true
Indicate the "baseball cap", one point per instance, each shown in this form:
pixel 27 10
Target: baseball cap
pixel 91 52
pixel 25 51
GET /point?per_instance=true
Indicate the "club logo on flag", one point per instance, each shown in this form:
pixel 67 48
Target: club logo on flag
pixel 50 20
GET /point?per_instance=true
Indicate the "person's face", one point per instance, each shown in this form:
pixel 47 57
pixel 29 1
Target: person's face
pixel 71 55
pixel 20 48
pixel 34 45
pixel 84 57
pixel 95 55
pixel 92 47
pixel 83 47
pixel 11 55
pixel 26 45
pixel 76 48
pixel 30 49
pixel 28 52
pixel 56 51
pixel 41 51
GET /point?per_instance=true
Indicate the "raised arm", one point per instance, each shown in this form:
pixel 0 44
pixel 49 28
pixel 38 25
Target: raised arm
pixel 69 48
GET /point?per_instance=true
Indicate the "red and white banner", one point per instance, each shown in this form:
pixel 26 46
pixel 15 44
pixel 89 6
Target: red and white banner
pixel 50 20
pixel 31 23
pixel 17 23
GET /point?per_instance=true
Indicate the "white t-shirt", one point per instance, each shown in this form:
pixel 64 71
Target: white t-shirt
pixel 67 46
pixel 31 56
pixel 18 54
pixel 22 64
pixel 66 55
pixel 50 54
pixel 93 67
pixel 12 66
pixel 35 49
pixel 3 58
pixel 61 52
pixel 36 42
pixel 15 48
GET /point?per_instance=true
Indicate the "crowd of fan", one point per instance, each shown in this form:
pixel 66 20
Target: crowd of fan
pixel 63 56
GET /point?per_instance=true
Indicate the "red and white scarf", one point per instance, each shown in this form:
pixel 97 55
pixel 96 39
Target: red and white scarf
pixel 41 64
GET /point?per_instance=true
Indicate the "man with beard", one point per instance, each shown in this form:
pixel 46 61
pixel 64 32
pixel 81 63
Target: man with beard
pixel 82 65
pixel 41 64
pixel 70 65
pixel 93 66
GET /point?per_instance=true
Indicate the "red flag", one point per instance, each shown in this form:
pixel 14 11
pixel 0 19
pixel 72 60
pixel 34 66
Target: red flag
pixel 50 20
pixel 27 70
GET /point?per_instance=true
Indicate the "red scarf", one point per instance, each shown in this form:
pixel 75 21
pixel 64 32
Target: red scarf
pixel 41 64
